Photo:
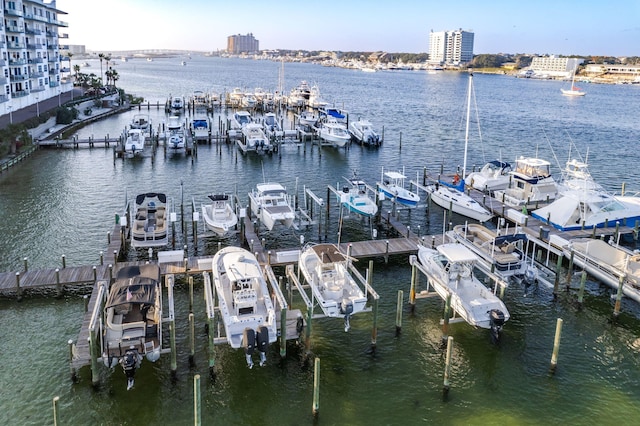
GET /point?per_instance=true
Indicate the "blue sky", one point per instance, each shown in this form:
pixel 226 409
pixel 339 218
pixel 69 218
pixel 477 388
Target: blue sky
pixel 541 26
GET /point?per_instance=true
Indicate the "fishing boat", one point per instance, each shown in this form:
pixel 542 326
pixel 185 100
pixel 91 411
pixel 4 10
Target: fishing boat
pixel 271 126
pixel 271 204
pixel 244 300
pixel 142 122
pixel 240 119
pixel 608 262
pixel 175 135
pixel 451 195
pixel 334 133
pixel 177 105
pixel 493 176
pixel 134 143
pixel 531 183
pixel 150 221
pixel 200 126
pixel 308 118
pixel 219 216
pixel 326 270
pixel 502 254
pixel 363 132
pixel 358 197
pixel 254 139
pixel 574 90
pixel 132 328
pixel 449 268
pixel 328 112
pixel 392 186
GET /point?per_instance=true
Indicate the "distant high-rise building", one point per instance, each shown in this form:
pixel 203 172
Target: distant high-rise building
pixel 450 47
pixel 31 65
pixel 237 44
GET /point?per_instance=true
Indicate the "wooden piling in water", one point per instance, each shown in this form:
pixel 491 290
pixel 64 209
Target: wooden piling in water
pixel 616 309
pixel 556 345
pixel 316 388
pixel 412 291
pixel 399 313
pixel 583 280
pixel 197 417
pixel 56 418
pixel 447 367
pixel 445 318
pixel 192 339
pixel 74 376
pixel 172 336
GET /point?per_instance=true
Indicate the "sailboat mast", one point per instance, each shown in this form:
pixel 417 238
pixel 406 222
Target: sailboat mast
pixel 466 134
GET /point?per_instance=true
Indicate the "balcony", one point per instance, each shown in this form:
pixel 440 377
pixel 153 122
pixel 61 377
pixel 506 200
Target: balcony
pixel 37 89
pixel 19 94
pixel 53 84
pixel 13 62
pixel 19 77
pixel 3 80
pixel 3 62
pixel 12 12
pixel 37 74
pixel 52 47
pixel 32 31
pixel 36 60
pixel 15 45
pixel 4 98
pixel 63 35
pixel 14 29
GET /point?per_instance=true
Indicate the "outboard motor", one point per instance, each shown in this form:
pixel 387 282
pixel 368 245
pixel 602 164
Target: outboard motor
pixel 346 307
pixel 249 344
pixel 262 338
pixel 130 363
pixel 496 321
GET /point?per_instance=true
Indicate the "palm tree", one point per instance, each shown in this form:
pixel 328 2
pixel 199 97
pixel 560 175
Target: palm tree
pixel 114 77
pixel 107 58
pixel 76 68
pixel 101 57
pixel 69 55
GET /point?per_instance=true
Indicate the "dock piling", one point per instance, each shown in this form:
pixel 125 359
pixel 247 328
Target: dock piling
pixel 56 418
pixel 25 265
pixel 18 289
pixel 74 376
pixel 172 334
pixel 556 345
pixel 447 368
pixel 583 280
pixel 192 339
pixel 399 312
pixel 616 309
pixel 197 417
pixel 316 388
pixel 445 318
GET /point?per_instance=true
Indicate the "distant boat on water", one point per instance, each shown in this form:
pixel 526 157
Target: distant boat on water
pixel 574 90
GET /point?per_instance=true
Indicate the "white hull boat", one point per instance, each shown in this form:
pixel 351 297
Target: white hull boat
pixel 133 319
pixel 358 198
pixel 392 186
pixel 134 143
pixel 326 270
pixel 150 222
pixel 271 204
pixel 254 139
pixel 334 133
pixel 491 177
pixel 531 182
pixel 244 300
pixel 363 132
pixel 308 118
pixel 450 272
pixel 219 216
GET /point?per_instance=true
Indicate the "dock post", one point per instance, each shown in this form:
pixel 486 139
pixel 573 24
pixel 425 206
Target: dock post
pixel 25 265
pixel 386 252
pixel 307 333
pixel 447 367
pixel 108 238
pixel 95 274
pixel 64 261
pixel 556 281
pixel 283 331
pixel 58 286
pixel 101 258
pixel 172 334
pixel 316 387
pixel 617 231
pixel 616 308
pixel 399 313
pixel 115 257
pixel 86 302
pixel 412 291
pixel 95 374
pixel 197 417
pixel 212 349
pixel 192 339
pixel 556 345
pixel 56 419
pixel 374 330
pixel 190 294
pixel 570 270
pixel 433 241
pixel 18 289
pixel 110 274
pixel 74 376
pixel 445 318
pixel 583 280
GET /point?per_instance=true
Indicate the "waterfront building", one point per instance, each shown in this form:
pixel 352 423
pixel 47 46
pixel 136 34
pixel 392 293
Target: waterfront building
pixel 237 44
pixel 450 47
pixel 554 66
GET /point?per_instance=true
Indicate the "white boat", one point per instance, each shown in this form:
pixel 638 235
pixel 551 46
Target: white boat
pixel 183 63
pixel 240 119
pixel 491 177
pixel 254 139
pixel 177 104
pixel 315 100
pixel 531 182
pixel 608 263
pixel 150 221
pixel 583 203
pixel 142 122
pixel 244 301
pixel 392 186
pixel 358 197
pixel 299 96
pixel 450 272
pixel 574 90
pixel 236 95
pixel 332 113
pixel 219 216
pixel 248 100
pixel 503 255
pixel 308 118
pixel 175 135
pixel 452 195
pixel 200 126
pixel 334 133
pixel 134 143
pixel 363 132
pixel 272 126
pixel 271 204
pixel 132 328
pixel 326 270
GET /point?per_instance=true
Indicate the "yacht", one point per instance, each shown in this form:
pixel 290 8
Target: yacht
pixel 493 176
pixel 271 204
pixel 531 182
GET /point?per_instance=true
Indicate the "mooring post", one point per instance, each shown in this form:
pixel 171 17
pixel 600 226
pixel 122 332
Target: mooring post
pixel 447 367
pixel 616 308
pixel 64 261
pixel 95 274
pixel 399 313
pixel 283 330
pixel 110 274
pixel 556 345
pixel 86 302
pixel 25 265
pixel 583 280
pixel 95 374
pixel 190 294
pixel 192 339
pixel 101 258
pixel 445 318
pixel 18 289
pixel 412 290
pixel 570 270
pixel 172 334
pixel 56 418
pixel 307 333
pixel 197 416
pixel 374 330
pixel 316 388
pixel 74 376
pixel 556 281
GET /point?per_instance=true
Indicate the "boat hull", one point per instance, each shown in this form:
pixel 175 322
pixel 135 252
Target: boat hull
pixel 459 202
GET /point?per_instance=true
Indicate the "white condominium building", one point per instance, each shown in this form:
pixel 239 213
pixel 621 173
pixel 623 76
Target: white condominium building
pixel 450 47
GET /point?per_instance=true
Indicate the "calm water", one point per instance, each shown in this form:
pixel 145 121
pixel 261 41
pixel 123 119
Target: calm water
pixel 64 202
